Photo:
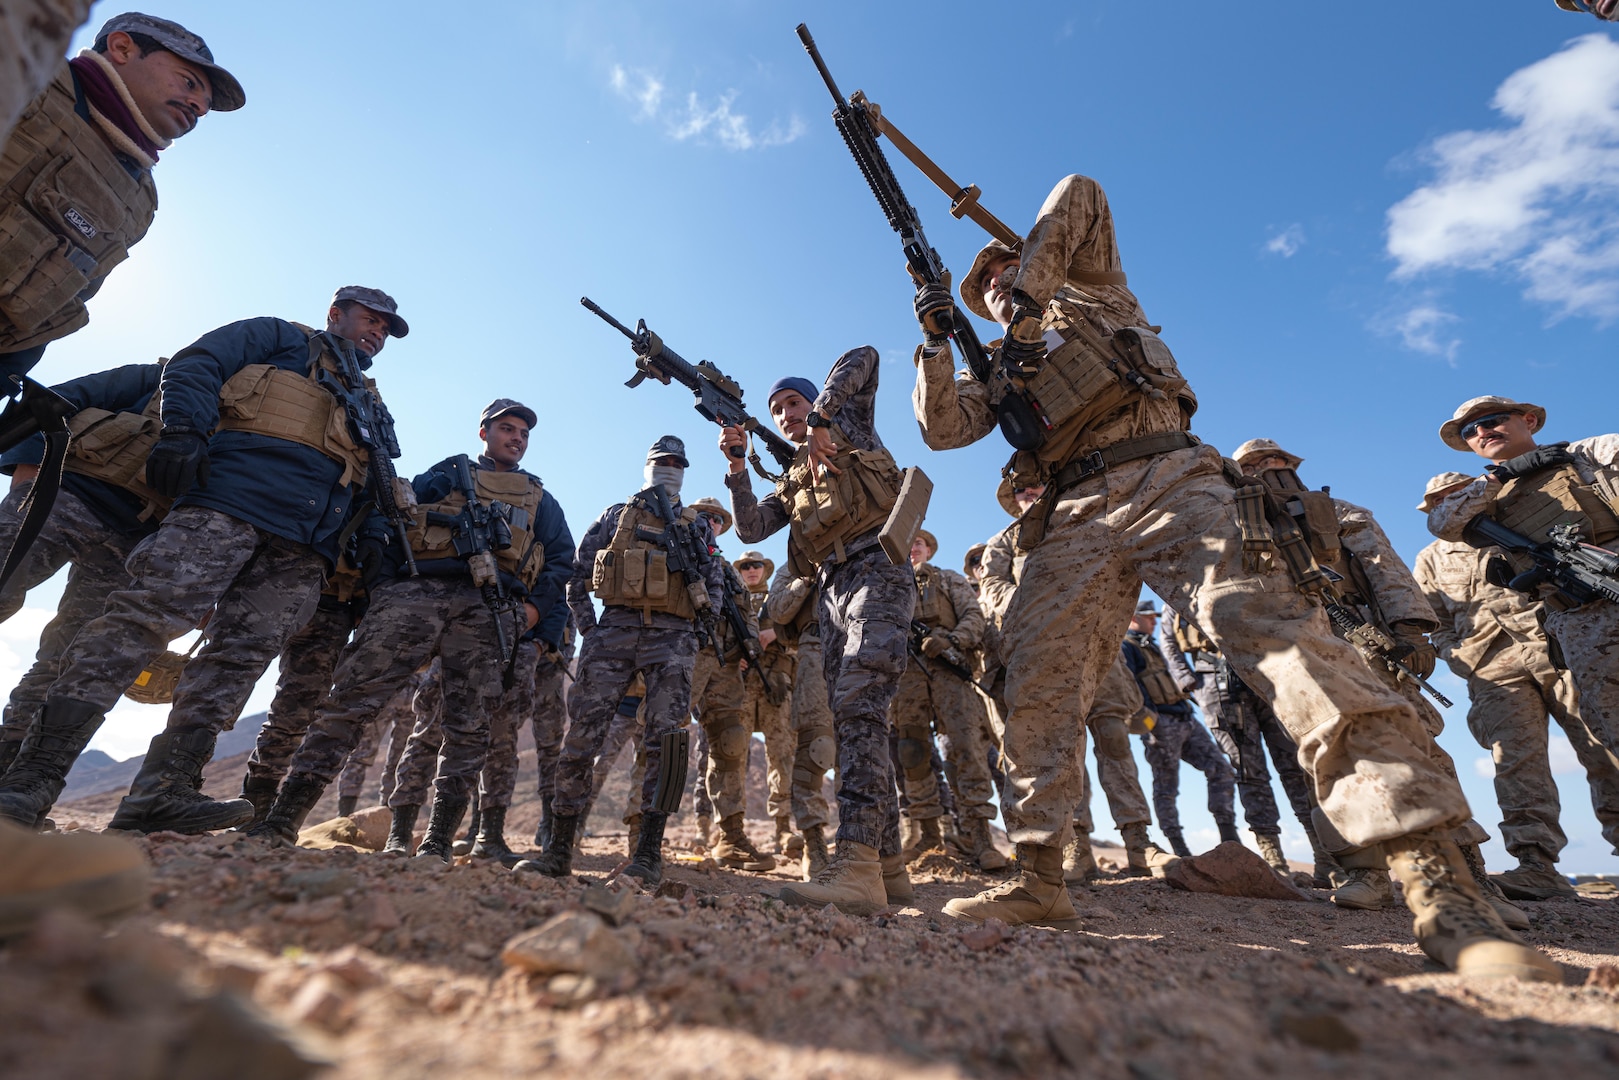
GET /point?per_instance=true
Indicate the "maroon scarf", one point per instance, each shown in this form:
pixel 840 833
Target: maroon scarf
pixel 104 97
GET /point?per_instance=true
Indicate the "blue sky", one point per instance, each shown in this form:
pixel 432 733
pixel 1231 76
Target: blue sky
pixel 1347 219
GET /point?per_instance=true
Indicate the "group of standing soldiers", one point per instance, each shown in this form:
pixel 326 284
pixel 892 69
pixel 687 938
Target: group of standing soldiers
pixel 233 483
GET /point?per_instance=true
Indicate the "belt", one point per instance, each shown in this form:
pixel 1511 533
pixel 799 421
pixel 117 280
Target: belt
pixel 1100 461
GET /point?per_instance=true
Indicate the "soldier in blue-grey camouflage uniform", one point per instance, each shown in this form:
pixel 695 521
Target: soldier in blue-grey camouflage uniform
pixel 835 500
pixel 649 625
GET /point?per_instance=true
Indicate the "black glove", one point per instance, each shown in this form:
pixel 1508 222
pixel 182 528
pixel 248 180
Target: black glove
pixel 1421 658
pixel 177 462
pixel 935 311
pixel 368 552
pixel 1024 348
pixel 1541 457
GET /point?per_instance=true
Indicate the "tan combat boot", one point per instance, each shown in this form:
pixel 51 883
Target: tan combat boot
pixel 1144 857
pixel 1270 849
pixel 736 851
pixel 1037 896
pixel 896 882
pixel 981 844
pixel 852 882
pixel 1326 865
pixel 815 856
pixel 787 842
pixel 1366 884
pixel 92 874
pixel 705 831
pixel 1534 878
pixel 1453 924
pixel 1510 913
pixel 1079 861
pixel 910 836
pixel 929 837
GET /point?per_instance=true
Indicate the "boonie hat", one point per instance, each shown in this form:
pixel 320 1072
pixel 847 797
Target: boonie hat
pixel 505 406
pixel 972 294
pixel 377 301
pixel 1440 483
pixel 758 557
pixel 668 446
pixel 228 93
pixel 1473 408
pixel 930 540
pixel 714 508
pixel 976 552
pixel 1264 448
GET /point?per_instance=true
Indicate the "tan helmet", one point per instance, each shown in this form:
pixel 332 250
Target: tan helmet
pixel 711 505
pixel 974 554
pixel 1264 448
pixel 972 294
pixel 1473 408
pixel 1438 484
pixel 758 557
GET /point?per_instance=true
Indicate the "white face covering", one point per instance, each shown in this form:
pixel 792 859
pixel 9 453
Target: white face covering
pixel 669 476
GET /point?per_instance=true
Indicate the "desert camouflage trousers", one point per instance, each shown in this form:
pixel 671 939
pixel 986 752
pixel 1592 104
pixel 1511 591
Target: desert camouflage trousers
pixel 409 621
pixel 815 739
pixel 932 700
pixel 1588 637
pixel 426 751
pixel 717 698
pixel 261 588
pixel 865 611
pixel 305 679
pixel 1244 726
pixel 775 723
pixel 550 721
pixel 609 660
pixel 1171 521
pixel 1175 739
pixel 1511 692
pixel 1115 775
pixel 75 537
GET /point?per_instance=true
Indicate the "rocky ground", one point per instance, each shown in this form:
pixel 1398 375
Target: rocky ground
pixel 254 962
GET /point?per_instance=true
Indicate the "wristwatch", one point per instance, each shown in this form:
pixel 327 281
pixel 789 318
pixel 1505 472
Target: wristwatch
pixel 815 419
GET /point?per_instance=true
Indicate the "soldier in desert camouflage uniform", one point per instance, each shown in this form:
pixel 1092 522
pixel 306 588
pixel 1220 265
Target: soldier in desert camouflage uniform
pixel 792 609
pixel 1102 410
pixel 1492 637
pixel 767 694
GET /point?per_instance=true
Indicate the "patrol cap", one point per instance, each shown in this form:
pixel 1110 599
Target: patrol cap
pixel 758 557
pixel 1255 448
pixel 972 293
pixel 505 406
pixel 377 301
pixel 793 382
pixel 1147 607
pixel 974 554
pixel 228 93
pixel 668 446
pixel 1440 483
pixel 714 508
pixel 1471 409
pixel 930 540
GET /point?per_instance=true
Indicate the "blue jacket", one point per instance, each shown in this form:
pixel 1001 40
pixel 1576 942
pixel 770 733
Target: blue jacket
pixel 1134 648
pixel 283 487
pixel 120 389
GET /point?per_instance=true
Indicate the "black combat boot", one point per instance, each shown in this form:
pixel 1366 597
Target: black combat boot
pixel 542 835
pixel 1228 832
pixel 296 799
pixel 8 753
pixel 260 791
pixel 55 739
pixel 166 794
pixel 1177 843
pixel 446 818
pixel 491 842
pixel 647 864
pixel 464 845
pixel 557 858
pixel 346 805
pixel 402 828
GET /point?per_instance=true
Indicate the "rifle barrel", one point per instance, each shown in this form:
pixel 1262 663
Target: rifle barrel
pixel 820 65
pixel 590 305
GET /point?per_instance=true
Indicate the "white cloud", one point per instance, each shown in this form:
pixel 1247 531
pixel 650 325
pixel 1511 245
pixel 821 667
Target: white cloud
pixel 1287 242
pixel 1560 752
pixel 1424 327
pixel 1484 767
pixel 1537 198
pixel 717 122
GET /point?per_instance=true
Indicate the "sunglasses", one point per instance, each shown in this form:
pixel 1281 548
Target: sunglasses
pixel 1494 420
pixel 750 566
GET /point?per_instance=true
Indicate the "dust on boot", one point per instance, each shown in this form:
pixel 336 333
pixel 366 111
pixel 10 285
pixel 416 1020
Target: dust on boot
pixel 1037 896
pixel 736 851
pixel 166 795
pixel 1366 885
pixel 852 882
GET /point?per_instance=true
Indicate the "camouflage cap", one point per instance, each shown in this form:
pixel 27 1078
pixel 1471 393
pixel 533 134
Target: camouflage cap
pixel 751 556
pixel 975 555
pixel 972 294
pixel 714 508
pixel 1438 484
pixel 228 94
pixel 377 301
pixel 930 540
pixel 505 406
pixel 1254 448
pixel 668 446
pixel 1473 408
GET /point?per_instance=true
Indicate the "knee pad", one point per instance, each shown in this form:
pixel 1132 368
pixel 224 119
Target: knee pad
pixel 1112 739
pixel 822 750
pixel 914 755
pixel 729 747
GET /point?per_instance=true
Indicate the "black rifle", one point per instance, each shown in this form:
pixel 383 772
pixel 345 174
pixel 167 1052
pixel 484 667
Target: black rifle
pixel 373 428
pixel 683 552
pixel 738 622
pixel 719 397
pixel 34 409
pixel 478 532
pixel 951 659
pixel 860 134
pixel 1582 572
pixel 1373 642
